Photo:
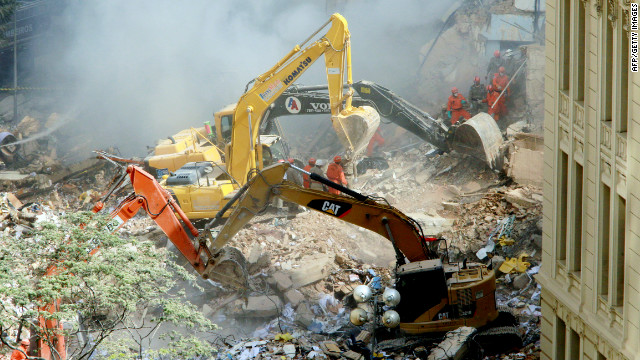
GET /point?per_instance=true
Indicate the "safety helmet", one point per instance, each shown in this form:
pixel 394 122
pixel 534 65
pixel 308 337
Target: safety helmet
pixel 489 87
pixel 476 80
pixel 290 160
pixel 281 161
pixel 337 159
pixel 25 342
pixel 496 53
pixel 312 161
pixel 501 69
pixel 454 90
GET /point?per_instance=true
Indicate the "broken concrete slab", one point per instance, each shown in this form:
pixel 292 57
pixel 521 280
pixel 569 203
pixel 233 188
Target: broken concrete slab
pixel 304 315
pixel 294 297
pixel 526 160
pixel 313 268
pixel 454 346
pixel 11 175
pixel 518 197
pixel 451 206
pixel 521 281
pixel 281 281
pixel 432 225
pixel 262 306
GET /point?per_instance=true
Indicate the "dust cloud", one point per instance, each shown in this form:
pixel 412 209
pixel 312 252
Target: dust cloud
pixel 142 70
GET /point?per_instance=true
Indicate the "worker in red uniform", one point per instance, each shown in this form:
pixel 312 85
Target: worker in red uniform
pixel 500 81
pixel 454 107
pixel 17 355
pixel 498 110
pixel 336 174
pixel 376 140
pixel 306 181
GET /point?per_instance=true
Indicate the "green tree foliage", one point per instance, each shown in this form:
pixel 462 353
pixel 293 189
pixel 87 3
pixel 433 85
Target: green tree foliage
pixel 7 9
pixel 123 288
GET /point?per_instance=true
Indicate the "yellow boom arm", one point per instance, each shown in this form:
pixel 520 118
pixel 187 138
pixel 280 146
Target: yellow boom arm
pixel 378 217
pixel 354 126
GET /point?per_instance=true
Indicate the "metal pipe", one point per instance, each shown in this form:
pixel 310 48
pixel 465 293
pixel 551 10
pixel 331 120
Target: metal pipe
pixel 15 68
pixel 399 256
pixel 509 83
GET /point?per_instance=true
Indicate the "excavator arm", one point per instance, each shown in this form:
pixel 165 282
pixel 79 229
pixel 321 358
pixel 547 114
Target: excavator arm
pixel 378 216
pixel 224 265
pixel 354 126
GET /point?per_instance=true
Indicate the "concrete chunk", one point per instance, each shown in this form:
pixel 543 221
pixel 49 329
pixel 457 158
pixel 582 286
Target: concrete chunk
pixel 294 297
pixel 454 346
pixel 312 269
pixel 519 198
pixel 280 281
pixel 262 306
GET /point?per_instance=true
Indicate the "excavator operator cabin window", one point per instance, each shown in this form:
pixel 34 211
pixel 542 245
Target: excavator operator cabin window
pixel 225 127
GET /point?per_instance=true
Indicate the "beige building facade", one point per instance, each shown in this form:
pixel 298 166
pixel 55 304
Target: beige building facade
pixel 590 272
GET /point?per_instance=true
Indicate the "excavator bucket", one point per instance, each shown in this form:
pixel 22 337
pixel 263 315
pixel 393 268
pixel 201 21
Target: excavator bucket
pixel 230 269
pixel 481 138
pixel 356 128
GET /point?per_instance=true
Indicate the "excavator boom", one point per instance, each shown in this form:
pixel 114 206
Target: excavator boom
pixel 374 215
pixel 354 126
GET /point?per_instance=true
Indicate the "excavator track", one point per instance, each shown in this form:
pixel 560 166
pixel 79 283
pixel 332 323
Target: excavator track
pixel 500 339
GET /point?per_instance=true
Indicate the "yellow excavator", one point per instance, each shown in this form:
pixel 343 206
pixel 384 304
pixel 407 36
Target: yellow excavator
pixel 214 181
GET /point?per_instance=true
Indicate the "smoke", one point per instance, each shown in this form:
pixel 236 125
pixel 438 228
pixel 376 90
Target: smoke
pixel 142 70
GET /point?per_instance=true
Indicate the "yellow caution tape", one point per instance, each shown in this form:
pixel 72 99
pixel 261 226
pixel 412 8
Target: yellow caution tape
pixel 30 88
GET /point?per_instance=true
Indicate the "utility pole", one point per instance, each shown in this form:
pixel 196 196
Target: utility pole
pixel 15 69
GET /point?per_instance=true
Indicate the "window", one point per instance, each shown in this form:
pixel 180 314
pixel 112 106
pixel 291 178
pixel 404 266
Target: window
pixel 580 34
pixel 623 88
pixel 607 63
pixel 564 46
pixel 576 237
pixel 619 243
pixel 560 339
pixel 562 211
pixel 574 346
pixel 603 243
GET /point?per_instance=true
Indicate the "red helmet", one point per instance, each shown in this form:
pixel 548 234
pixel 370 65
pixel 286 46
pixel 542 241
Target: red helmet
pixel 290 160
pixel 489 87
pixel 496 53
pixel 25 342
pixel 337 159
pixel 476 80
pixel 280 161
pixel 454 90
pixel 501 69
pixel 312 161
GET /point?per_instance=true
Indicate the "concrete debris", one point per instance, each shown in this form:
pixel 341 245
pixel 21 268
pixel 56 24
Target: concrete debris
pixel 454 346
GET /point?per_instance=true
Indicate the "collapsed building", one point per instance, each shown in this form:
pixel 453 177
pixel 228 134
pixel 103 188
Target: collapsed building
pixel 307 265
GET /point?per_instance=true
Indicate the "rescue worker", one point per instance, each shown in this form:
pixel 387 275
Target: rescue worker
pixel 498 110
pixel 477 93
pixel 305 178
pixel 500 81
pixel 376 141
pixel 336 174
pixel 17 355
pixel 494 64
pixel 455 108
pixel 316 185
